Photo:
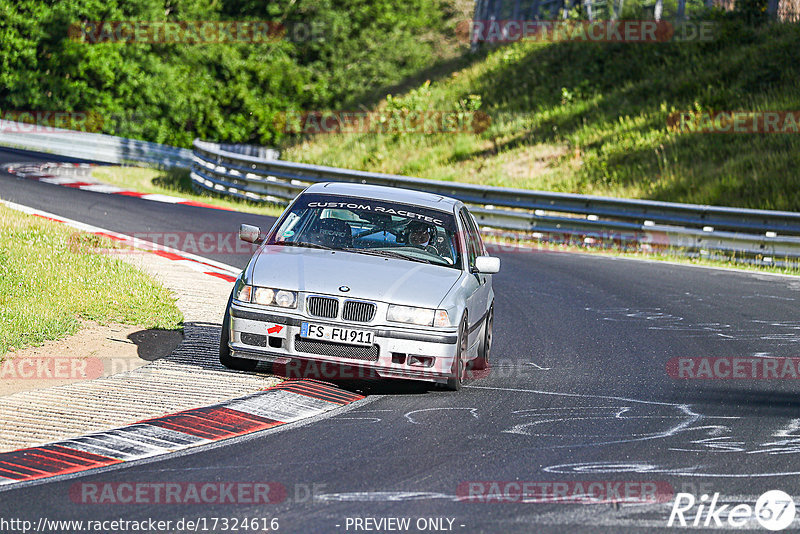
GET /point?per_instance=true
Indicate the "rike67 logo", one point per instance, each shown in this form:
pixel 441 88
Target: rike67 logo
pixel 774 510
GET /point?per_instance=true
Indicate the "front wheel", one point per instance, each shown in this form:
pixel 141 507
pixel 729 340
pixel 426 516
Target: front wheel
pixel 457 370
pixel 225 358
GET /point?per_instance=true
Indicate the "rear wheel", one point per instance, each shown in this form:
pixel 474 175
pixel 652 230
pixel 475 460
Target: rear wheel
pixel 225 358
pixel 457 370
pixel 482 361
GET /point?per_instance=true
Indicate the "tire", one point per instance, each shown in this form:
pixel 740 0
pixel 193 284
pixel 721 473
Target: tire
pixel 482 361
pixel 225 358
pixel 457 370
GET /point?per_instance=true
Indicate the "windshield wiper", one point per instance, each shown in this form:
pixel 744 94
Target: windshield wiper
pixel 389 253
pixel 303 244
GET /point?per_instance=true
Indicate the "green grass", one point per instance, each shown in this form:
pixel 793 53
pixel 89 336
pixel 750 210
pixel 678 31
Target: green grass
pixel 592 118
pixel 175 182
pixel 50 280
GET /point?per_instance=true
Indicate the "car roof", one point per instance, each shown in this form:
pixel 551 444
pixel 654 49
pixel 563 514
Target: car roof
pixel 390 194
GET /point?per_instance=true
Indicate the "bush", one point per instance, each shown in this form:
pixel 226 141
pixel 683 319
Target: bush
pixel 171 93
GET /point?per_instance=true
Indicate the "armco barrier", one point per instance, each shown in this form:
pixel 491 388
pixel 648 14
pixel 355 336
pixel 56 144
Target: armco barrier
pixel 769 236
pixel 91 146
pixel 255 173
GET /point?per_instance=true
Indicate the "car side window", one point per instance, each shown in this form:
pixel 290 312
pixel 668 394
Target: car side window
pixel 473 250
pixel 476 234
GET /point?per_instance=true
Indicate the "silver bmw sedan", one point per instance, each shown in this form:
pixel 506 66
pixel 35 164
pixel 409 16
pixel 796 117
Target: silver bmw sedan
pixel 393 281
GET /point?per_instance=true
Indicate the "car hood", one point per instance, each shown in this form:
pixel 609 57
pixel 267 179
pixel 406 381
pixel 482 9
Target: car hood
pixel 368 277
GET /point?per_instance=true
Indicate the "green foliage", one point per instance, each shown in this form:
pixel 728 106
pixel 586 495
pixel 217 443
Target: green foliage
pixel 418 99
pixel 752 11
pixel 233 92
pixel 593 118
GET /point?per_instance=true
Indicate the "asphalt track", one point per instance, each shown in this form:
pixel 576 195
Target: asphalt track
pixel 578 392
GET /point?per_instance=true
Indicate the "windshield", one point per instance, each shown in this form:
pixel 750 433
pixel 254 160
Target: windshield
pixel 368 226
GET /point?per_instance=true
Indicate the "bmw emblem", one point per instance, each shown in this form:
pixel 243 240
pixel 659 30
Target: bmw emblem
pixel 344 289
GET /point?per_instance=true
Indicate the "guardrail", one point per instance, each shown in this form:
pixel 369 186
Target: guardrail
pixel 91 146
pixel 766 236
pixel 255 173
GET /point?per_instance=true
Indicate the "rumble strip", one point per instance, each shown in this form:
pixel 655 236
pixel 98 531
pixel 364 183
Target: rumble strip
pixel 283 403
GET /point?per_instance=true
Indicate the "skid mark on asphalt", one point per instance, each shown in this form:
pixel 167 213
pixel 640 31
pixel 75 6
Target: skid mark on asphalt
pixel 560 420
pixel 538 367
pixel 472 411
pixel 697 471
pixel 721 444
pixel 723 448
pixel 783 331
pixel 681 412
pixel 760 296
pixel 722 441
pixel 386 496
pixel 356 413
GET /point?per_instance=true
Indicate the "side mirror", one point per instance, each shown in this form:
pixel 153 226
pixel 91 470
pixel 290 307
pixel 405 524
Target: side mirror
pixel 249 233
pixel 487 264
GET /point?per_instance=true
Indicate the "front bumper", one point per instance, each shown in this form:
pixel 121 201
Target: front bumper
pixel 274 336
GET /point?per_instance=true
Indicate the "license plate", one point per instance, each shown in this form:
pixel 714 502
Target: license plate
pixel 336 334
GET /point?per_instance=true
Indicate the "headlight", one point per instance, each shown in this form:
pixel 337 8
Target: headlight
pixel 264 296
pixel 420 316
pixel 267 296
pixel 286 299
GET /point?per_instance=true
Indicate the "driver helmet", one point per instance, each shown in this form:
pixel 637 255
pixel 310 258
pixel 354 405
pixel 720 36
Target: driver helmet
pixel 420 234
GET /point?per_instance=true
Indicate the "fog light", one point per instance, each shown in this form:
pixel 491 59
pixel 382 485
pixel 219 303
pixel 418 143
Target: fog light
pixel 421 361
